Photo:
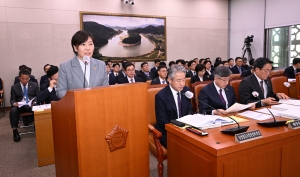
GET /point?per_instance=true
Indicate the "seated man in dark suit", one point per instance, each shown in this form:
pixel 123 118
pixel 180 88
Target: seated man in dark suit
pixel 122 72
pixel 237 69
pixel 44 78
pixel 245 66
pixel 144 74
pixel 291 71
pixel 154 69
pixel 162 75
pixel 114 74
pixel 260 83
pixel 191 72
pixel 47 90
pixel 218 94
pixel 24 91
pixel 130 75
pixel 170 102
pixel 31 78
pixel 200 77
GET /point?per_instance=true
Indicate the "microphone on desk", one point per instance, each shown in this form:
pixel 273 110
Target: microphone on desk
pixel 232 130
pixel 273 123
pixel 86 61
pixel 288 85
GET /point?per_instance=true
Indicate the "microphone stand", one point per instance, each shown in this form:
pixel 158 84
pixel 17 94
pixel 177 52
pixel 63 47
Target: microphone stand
pixel 233 130
pixel 84 74
pixel 272 123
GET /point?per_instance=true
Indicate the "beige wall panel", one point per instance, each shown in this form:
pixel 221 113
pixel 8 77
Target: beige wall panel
pixel 2 2
pixel 62 43
pixel 217 24
pixel 196 8
pixel 65 17
pixel 21 15
pixel 194 23
pixel 2 14
pixel 32 46
pixel 159 7
pixel 173 8
pixel 194 43
pixel 111 7
pixel 67 4
pixel 32 4
pixel 217 44
pixel 217 9
pixel 4 50
pixel 174 22
pixel 174 44
pixel 148 8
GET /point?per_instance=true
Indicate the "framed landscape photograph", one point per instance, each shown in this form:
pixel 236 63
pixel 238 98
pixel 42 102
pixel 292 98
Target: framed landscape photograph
pixel 124 36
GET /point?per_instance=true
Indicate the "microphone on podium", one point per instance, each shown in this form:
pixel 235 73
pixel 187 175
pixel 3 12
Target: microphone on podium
pixel 86 61
pixel 273 123
pixel 230 131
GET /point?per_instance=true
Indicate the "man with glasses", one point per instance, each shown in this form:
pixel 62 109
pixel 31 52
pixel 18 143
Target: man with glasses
pixel 237 69
pixel 130 74
pixel 162 75
pixel 259 82
pixel 218 93
pixel 170 102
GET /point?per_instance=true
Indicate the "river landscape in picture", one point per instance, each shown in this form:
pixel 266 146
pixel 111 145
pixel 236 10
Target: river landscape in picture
pixel 119 37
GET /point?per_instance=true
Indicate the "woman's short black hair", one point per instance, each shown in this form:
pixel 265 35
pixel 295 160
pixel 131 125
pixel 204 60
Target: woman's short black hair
pixel 80 37
pixel 199 67
pixel 51 71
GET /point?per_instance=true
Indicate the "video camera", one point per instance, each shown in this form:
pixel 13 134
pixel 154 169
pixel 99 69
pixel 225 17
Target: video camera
pixel 248 39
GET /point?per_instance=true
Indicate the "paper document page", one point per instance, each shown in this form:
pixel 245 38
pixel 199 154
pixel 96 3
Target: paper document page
pixel 265 111
pixel 255 115
pixel 236 107
pixel 41 107
pixel 290 102
pixel 22 103
pixel 283 107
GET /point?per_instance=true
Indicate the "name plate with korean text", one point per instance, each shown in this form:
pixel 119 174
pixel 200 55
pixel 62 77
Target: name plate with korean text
pixel 294 125
pixel 247 136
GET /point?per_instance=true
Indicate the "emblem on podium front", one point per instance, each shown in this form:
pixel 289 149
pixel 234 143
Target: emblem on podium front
pixel 116 139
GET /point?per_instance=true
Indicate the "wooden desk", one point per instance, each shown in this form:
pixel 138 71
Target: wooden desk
pixel 44 137
pixel 276 154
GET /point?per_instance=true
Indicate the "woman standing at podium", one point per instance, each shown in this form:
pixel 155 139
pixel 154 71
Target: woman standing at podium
pixel 82 71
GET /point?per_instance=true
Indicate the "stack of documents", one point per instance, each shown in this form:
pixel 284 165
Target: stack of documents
pixel 205 121
pixel 255 115
pixel 290 102
pixel 41 107
pixel 284 107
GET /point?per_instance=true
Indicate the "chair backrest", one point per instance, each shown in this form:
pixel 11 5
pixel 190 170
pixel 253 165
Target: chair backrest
pixel 149 82
pixel 157 85
pixel 197 90
pixel 276 73
pixel 278 86
pixel 151 104
pixel 188 82
pixel 234 76
pixel 298 84
pixel 235 84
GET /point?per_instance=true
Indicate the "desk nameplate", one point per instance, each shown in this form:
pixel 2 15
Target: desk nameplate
pixel 247 136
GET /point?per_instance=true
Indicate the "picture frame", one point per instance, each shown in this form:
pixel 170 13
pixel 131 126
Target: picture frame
pixel 126 36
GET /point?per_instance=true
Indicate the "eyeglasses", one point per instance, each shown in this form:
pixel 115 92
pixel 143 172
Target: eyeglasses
pixel 179 80
pixel 266 70
pixel 225 80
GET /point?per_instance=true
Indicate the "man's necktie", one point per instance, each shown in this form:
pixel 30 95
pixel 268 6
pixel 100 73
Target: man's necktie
pixel 131 80
pixel 179 104
pixel 164 82
pixel 240 71
pixel 262 88
pixel 222 98
pixel 25 92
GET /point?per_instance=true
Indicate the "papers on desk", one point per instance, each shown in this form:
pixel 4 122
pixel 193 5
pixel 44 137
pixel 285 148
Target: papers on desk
pixel 291 80
pixel 284 107
pixel 23 103
pixel 205 121
pixel 41 107
pixel 255 115
pixel 290 102
pixel 265 111
pixel 236 107
pixel 292 114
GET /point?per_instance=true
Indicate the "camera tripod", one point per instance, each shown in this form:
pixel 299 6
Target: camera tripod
pixel 248 50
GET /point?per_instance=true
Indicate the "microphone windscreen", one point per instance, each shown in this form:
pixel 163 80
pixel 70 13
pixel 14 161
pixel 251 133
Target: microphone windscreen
pixel 286 84
pixel 255 94
pixel 86 59
pixel 189 94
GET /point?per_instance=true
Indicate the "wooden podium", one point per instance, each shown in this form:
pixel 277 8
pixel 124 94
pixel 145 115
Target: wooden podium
pixel 102 132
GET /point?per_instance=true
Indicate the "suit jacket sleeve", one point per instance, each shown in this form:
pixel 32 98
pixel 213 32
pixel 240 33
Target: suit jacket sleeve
pixel 203 96
pixel 245 92
pixel 160 111
pixel 44 94
pixel 12 96
pixel 62 85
